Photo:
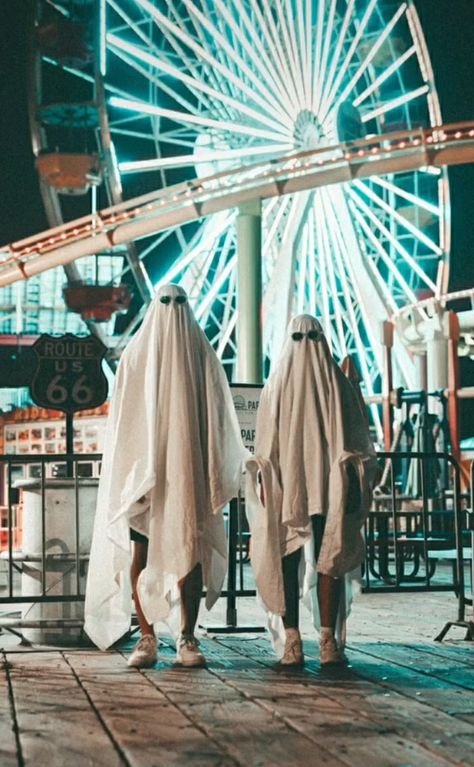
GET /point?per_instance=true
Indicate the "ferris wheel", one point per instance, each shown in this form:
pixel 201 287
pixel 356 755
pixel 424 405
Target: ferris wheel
pixel 202 87
pixel 191 88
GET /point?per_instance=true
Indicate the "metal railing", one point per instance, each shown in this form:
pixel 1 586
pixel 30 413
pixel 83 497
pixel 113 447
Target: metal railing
pixel 48 566
pixel 45 537
pixel 462 621
pixel 415 530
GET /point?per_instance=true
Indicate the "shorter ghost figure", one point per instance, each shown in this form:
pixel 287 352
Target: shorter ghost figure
pixel 173 459
pixel 308 492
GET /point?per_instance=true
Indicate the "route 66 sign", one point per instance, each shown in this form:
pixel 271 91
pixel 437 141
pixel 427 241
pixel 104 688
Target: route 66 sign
pixel 69 373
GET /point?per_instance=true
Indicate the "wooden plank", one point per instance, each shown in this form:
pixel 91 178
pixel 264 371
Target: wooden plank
pixel 362 740
pixel 297 700
pixel 434 730
pixel 439 735
pixel 440 694
pixel 346 731
pixel 462 652
pixel 251 734
pixel 241 711
pixel 57 725
pixel 9 756
pixel 149 729
pixel 378 668
pixel 437 666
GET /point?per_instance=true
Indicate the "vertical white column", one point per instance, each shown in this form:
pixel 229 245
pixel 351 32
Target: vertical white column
pixel 249 293
pixel 436 335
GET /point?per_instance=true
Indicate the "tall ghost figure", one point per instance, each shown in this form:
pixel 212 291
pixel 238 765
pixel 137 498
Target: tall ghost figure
pixel 308 490
pixel 173 459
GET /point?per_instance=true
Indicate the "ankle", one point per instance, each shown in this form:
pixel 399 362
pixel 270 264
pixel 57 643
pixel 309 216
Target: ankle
pixel 325 633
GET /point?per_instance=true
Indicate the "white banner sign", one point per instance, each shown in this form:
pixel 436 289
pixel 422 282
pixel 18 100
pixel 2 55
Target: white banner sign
pixel 246 398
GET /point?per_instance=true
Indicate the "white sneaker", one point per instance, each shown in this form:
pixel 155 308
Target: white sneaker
pixel 144 653
pixel 293 654
pixel 187 651
pixel 330 653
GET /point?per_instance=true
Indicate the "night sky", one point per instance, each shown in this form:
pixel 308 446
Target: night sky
pixel 449 32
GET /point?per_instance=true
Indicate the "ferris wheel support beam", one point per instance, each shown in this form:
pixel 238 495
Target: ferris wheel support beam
pixel 136 266
pixel 249 292
pixel 139 217
pixel 279 293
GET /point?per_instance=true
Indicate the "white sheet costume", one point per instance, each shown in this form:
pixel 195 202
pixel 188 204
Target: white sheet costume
pixel 173 459
pixel 310 426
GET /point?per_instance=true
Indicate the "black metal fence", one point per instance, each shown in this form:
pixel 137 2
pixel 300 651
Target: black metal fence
pixel 419 533
pixel 47 506
pixel 411 531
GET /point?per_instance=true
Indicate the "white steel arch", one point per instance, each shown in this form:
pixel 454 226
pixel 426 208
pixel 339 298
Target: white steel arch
pixel 429 149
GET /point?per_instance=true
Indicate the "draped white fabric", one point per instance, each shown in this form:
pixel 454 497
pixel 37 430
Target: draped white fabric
pixel 310 427
pixel 173 459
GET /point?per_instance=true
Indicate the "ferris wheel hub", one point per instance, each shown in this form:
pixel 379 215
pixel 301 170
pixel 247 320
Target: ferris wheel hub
pixel 308 132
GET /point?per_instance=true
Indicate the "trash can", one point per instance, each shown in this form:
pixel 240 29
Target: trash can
pixel 65 525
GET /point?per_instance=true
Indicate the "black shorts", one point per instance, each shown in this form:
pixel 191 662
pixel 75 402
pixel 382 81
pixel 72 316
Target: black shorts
pixel 354 500
pixel 319 523
pixel 137 537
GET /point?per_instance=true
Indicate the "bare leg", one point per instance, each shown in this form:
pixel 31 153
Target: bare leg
pixel 329 594
pixel 191 590
pixel 140 553
pixel 293 652
pixel 329 589
pixel 290 565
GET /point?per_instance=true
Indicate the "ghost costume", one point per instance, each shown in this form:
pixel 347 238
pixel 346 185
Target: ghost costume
pixel 310 427
pixel 173 459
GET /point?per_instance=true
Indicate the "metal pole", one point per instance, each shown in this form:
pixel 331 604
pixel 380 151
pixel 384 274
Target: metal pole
pixel 249 292
pixel 70 442
pixel 231 613
pixel 453 384
pixel 249 352
pixel 387 384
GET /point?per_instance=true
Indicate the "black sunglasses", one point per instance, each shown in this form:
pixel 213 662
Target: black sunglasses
pixel 313 335
pixel 177 300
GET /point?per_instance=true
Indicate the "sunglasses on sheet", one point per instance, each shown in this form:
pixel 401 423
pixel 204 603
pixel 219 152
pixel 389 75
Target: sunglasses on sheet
pixel 313 335
pixel 177 300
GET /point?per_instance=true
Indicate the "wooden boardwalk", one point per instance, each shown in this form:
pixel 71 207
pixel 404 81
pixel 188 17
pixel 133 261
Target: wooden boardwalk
pixel 404 701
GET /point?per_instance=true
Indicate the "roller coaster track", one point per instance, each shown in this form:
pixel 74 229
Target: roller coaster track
pixel 393 153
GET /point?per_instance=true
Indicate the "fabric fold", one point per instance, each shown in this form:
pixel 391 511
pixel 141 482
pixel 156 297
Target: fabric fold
pixel 173 458
pixel 312 445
